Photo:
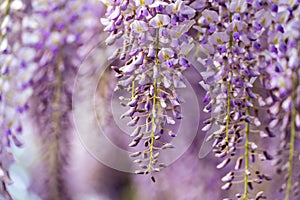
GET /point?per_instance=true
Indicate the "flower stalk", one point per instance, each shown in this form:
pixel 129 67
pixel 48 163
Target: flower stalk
pixel 152 59
pixel 154 109
pixel 247 148
pixel 6 13
pixel 229 88
pixel 54 152
pixel 292 138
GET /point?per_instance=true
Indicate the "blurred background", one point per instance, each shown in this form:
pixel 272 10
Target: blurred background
pixel 60 89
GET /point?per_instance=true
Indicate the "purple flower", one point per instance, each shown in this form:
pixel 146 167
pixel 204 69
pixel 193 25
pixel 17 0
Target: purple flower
pixel 159 20
pixel 210 16
pixel 238 6
pixel 159 43
pixel 165 54
pixel 45 56
pixel 139 27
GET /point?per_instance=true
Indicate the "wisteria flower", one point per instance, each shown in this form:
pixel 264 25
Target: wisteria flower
pixel 160 20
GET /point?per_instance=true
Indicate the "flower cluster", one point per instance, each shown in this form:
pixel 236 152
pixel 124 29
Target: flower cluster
pixel 14 89
pixel 284 102
pixel 250 51
pixel 155 44
pixel 41 52
pixel 237 38
pixel 243 47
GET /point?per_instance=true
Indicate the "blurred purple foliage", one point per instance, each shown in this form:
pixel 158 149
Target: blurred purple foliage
pixel 94 92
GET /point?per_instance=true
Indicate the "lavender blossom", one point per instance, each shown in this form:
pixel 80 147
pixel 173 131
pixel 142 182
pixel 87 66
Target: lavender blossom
pixel 64 31
pixel 250 53
pixel 284 100
pixel 155 44
pixel 41 55
pixel 14 94
pixel 231 47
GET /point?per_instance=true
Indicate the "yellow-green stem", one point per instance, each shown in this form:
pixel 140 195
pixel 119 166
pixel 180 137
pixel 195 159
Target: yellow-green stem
pixel 246 177
pixel 7 8
pixel 228 90
pixel 228 112
pixel 292 140
pixel 153 125
pixel 54 148
pixel 132 89
pixel 6 14
pixel 231 33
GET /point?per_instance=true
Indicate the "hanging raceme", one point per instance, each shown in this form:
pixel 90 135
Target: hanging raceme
pixel 232 46
pixel 155 44
pixel 250 50
pixel 58 55
pixel 39 59
pixel 14 91
pixel 284 111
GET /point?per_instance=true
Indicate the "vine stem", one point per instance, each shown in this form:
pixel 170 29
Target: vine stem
pixel 6 13
pixel 228 113
pixel 7 8
pixel 228 91
pixel 292 140
pixel 132 89
pixel 54 148
pixel 153 125
pixel 246 177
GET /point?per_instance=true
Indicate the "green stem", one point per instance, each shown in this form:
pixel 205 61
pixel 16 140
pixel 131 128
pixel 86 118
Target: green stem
pixel 228 90
pixel 3 35
pixel 292 140
pixel 246 177
pixel 7 8
pixel 132 89
pixel 54 184
pixel 153 125
pixel 231 33
pixel 6 13
pixel 228 113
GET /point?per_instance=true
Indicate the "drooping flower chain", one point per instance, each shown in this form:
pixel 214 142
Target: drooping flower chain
pixel 284 101
pixel 39 59
pixel 233 35
pixel 13 89
pixel 64 30
pixel 155 45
